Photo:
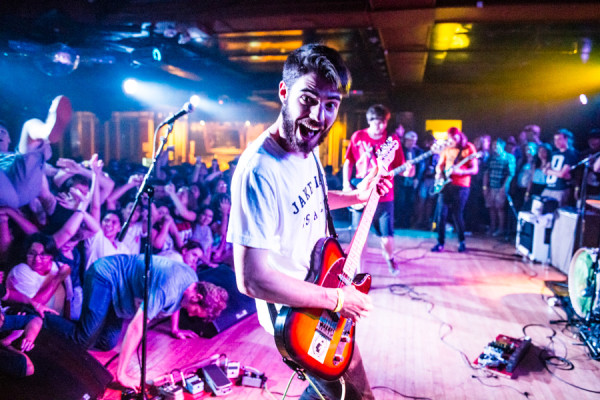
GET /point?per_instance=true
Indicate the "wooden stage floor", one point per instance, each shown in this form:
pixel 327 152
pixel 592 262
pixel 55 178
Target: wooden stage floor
pixel 430 323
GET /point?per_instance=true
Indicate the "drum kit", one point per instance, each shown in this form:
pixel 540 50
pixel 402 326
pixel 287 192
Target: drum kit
pixel 584 282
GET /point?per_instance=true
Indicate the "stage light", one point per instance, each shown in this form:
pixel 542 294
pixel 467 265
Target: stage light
pixel 156 54
pixel 131 86
pixel 195 100
pixel 247 123
pixel 583 99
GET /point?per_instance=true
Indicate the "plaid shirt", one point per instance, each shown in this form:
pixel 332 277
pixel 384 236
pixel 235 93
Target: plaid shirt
pixel 500 167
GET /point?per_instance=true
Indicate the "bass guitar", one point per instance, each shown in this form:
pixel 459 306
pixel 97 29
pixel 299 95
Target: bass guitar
pixel 320 341
pixel 442 182
pixel 436 148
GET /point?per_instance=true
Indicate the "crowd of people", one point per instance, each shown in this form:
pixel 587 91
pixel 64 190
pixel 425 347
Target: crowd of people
pixel 510 172
pixel 61 260
pixel 58 219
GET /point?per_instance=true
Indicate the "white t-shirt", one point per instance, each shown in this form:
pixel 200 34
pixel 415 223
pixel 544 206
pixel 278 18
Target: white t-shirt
pixel 277 204
pixel 29 282
pixel 133 237
pixel 99 246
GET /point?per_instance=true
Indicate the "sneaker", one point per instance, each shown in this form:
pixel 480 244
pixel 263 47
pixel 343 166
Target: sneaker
pixel 462 247
pixel 59 116
pixel 437 248
pixel 393 266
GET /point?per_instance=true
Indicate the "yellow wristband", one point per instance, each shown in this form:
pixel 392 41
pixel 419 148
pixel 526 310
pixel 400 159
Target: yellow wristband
pixel 340 300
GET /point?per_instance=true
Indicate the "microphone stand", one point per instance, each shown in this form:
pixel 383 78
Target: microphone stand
pixel 147 188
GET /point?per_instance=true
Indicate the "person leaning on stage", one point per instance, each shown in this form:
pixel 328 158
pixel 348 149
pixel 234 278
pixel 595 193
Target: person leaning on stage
pixel 277 210
pixel 454 196
pixel 113 291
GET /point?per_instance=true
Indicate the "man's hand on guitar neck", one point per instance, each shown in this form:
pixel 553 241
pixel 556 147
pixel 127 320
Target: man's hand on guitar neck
pixel 381 181
pixel 356 304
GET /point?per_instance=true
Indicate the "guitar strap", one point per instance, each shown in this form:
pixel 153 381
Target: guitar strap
pixel 272 309
pixel 330 226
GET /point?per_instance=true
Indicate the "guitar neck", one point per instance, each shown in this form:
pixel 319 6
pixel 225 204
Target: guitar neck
pixel 462 162
pixel 407 164
pixel 360 237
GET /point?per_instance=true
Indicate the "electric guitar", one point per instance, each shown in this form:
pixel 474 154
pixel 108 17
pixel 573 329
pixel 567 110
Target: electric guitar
pixel 442 182
pixel 317 340
pixel 436 148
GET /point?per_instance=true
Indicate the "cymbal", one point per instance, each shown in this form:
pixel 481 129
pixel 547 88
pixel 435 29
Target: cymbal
pixel 593 203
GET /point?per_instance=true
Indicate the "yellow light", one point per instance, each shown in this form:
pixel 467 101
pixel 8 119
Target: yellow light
pixel 450 36
pixel 247 123
pixel 439 127
pixel 202 122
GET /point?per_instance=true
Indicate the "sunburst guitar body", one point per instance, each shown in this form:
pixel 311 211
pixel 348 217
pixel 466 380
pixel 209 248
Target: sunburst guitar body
pixel 319 340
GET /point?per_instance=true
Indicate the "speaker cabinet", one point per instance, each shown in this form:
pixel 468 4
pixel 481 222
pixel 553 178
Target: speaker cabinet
pixel 239 306
pixel 563 240
pixel 533 236
pixel 63 371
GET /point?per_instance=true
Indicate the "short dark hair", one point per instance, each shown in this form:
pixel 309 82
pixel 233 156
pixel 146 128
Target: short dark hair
pixel 191 245
pixel 320 59
pixel 74 180
pixel 213 299
pixel 115 212
pixel 378 111
pixel 45 240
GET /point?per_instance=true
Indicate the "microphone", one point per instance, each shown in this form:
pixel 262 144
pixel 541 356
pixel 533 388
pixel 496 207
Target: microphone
pixel 186 109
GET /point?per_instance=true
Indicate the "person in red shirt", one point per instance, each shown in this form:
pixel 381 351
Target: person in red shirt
pixel 361 158
pixel 454 196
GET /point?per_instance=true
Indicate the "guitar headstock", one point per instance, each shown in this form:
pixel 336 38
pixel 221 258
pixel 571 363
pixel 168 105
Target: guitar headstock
pixel 439 145
pixel 386 153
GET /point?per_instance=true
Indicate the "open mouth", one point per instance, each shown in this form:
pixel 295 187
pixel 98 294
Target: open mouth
pixel 308 131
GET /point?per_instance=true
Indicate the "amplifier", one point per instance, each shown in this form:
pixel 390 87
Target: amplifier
pixel 564 241
pixel 533 235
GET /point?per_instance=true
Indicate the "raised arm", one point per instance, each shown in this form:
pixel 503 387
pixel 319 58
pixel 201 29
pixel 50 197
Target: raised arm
pixel 26 225
pixel 133 182
pixel 179 206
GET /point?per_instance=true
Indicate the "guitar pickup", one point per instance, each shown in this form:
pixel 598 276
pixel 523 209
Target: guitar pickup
pixel 344 279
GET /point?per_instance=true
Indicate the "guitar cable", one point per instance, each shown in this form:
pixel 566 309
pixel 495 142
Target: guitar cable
pixel 295 373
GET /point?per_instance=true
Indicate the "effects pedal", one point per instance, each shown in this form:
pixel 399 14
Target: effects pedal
pixel 194 384
pixel 171 392
pixel 216 380
pixel 253 378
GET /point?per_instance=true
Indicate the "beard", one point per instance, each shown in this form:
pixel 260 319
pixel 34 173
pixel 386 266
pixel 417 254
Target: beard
pixel 294 142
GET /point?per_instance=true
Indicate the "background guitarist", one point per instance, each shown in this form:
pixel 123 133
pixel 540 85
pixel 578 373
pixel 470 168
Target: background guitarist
pixel 454 196
pixel 360 160
pixel 277 204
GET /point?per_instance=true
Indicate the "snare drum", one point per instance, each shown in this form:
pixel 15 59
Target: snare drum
pixel 580 271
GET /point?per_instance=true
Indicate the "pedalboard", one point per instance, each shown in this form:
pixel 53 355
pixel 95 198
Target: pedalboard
pixel 216 378
pixel 502 355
